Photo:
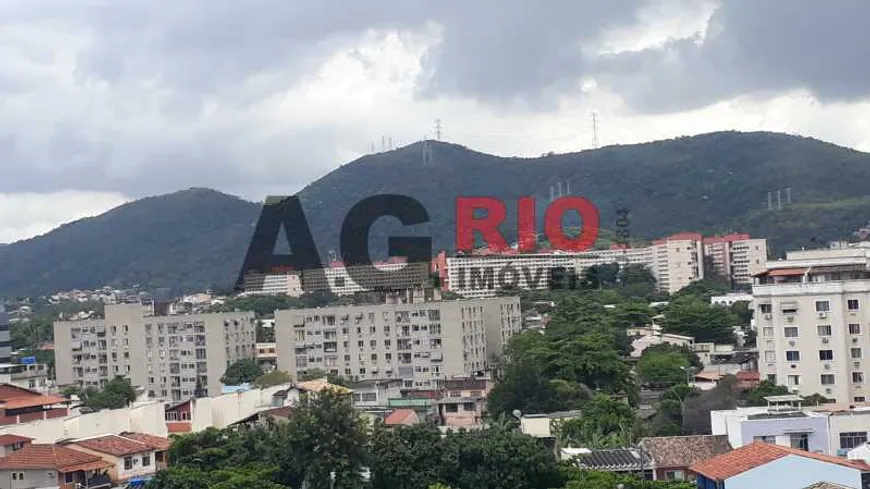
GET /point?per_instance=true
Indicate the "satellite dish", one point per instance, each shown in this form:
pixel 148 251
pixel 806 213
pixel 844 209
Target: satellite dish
pixel 517 413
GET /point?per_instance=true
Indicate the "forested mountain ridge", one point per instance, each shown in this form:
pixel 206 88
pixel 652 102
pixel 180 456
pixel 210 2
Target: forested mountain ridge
pixel 711 183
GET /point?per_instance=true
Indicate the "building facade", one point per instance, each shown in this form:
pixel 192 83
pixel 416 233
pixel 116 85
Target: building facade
pixel 5 342
pixel 172 357
pixel 418 342
pixel 812 316
pixel 736 256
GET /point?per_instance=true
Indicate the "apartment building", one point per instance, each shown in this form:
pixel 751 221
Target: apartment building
pixel 170 356
pixel 675 261
pixel 5 343
pixel 339 279
pixel 736 256
pixel 813 322
pixel 421 342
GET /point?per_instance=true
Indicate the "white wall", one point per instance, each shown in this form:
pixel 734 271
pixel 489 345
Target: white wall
pixel 792 472
pixel 138 469
pixel 222 411
pixel 145 418
pixel 844 423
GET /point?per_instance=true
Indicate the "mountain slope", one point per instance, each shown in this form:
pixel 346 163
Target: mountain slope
pixel 715 182
pixel 187 239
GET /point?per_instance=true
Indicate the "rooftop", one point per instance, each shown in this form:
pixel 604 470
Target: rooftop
pixel 119 446
pixel 54 457
pixel 683 451
pixel 614 459
pixel 6 440
pixel 400 416
pixel 757 454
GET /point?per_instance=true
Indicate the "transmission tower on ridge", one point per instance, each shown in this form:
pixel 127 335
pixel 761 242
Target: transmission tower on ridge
pixel 438 129
pixel 594 130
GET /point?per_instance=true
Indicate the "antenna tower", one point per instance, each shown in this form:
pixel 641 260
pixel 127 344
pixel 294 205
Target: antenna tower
pixel 438 129
pixel 594 130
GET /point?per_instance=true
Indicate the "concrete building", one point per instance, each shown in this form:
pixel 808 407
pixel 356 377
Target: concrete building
pixel 418 341
pixel 33 376
pixel 812 318
pixel 131 455
pixel 736 256
pixel 730 299
pixel 171 357
pixel 5 343
pixel 53 466
pixel 267 357
pixel 678 260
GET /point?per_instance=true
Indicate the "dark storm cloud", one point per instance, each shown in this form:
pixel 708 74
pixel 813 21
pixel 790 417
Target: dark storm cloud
pixel 752 47
pixel 88 121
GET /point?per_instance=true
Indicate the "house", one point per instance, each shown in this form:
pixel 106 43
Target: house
pixel 462 402
pixel 375 393
pixel 673 455
pixel 20 405
pixel 12 443
pixel 541 425
pixel 402 417
pixel 131 455
pixel 776 467
pixel 620 460
pixel 748 379
pixel 53 466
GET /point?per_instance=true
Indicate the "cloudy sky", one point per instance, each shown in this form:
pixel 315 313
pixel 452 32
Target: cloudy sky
pixel 104 101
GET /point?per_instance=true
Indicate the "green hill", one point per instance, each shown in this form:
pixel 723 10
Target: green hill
pixel 711 183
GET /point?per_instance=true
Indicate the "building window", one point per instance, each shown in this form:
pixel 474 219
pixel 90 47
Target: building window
pixel 793 356
pixel 855 353
pixel 791 332
pixel 858 377
pixel 823 306
pixel 767 332
pixel 675 475
pixel 765 308
pixel 769 356
pixel 824 329
pixel 800 441
pixel 826 355
pixel 468 406
pixel 852 304
pixel 854 329
pixel 852 439
pixel 827 379
pixel 146 460
pixel 765 439
pixel 771 378
pixel 858 399
pixel 794 380
pixel 128 463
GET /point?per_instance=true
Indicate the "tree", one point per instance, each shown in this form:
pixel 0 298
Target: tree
pixel 764 389
pixel 241 372
pixel 590 479
pixel 317 373
pixel 269 379
pixel 662 368
pixel 118 393
pixel 323 445
pixel 742 312
pixel 705 322
pixel 816 399
pixel 696 415
pixel 606 422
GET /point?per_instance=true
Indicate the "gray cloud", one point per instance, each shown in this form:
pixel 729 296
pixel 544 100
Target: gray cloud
pixel 752 47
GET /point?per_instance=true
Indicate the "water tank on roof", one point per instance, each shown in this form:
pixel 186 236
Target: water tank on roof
pixel 28 360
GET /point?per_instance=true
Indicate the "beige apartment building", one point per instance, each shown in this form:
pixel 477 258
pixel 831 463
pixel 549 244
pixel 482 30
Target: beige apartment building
pixel 420 342
pixel 736 256
pixel 813 319
pixel 677 261
pixel 170 356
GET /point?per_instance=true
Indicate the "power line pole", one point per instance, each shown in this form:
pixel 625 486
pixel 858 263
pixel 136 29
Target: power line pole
pixel 438 129
pixel 594 130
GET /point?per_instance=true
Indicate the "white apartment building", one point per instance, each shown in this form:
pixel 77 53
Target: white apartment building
pixel 420 342
pixel 813 322
pixel 736 256
pixel 677 261
pixel 337 279
pixel 172 357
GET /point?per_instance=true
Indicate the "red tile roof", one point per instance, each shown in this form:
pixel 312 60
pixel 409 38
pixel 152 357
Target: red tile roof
pixel 6 440
pixel 757 454
pixel 155 442
pixel 115 445
pixel 400 416
pixel 32 401
pixel 55 457
pixel 748 375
